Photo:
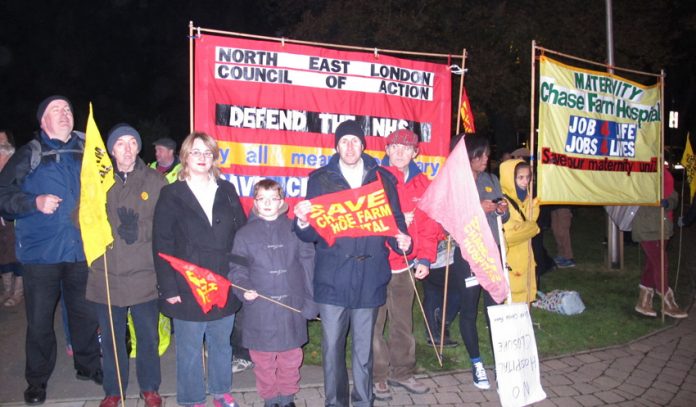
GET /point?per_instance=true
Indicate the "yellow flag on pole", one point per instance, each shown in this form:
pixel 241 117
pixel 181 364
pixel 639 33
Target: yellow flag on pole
pixel 689 162
pixel 96 178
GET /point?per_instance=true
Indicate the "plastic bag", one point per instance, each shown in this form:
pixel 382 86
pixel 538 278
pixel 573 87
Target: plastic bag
pixel 561 302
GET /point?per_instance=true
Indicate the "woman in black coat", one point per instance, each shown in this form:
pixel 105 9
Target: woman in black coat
pixel 196 219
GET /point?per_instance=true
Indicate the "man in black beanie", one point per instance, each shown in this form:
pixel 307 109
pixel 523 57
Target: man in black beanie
pixel 350 276
pixel 40 188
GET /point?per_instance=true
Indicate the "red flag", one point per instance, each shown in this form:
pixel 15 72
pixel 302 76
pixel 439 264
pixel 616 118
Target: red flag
pixel 208 288
pixel 452 200
pixel 467 114
pixel 358 212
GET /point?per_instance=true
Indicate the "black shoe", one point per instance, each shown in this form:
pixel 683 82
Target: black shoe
pixel 290 404
pixel 34 395
pixel 97 377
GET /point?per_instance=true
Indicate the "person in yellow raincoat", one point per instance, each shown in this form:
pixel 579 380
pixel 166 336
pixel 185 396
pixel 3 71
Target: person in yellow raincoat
pixel 515 177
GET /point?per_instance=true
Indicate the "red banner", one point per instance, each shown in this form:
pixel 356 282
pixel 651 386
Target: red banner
pixel 358 212
pixel 208 288
pixel 274 107
pixel 467 114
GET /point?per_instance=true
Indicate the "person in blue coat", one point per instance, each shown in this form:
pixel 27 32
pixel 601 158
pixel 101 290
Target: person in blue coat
pixel 40 189
pixel 350 276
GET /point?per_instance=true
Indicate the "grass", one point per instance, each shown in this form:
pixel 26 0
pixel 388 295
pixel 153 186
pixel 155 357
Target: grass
pixel 609 297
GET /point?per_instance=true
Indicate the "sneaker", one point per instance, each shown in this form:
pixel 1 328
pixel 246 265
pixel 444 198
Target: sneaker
pixel 562 262
pixel 382 392
pixel 411 385
pixel 225 400
pixel 151 398
pixel 240 365
pixel 480 377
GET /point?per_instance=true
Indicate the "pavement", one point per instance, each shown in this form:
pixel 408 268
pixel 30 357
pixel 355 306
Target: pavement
pixel 656 370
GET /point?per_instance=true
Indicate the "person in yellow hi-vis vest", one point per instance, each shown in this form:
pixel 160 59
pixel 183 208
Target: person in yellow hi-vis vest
pixel 167 162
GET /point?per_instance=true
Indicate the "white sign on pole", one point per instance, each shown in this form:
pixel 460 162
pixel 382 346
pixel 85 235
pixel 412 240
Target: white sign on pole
pixel 515 351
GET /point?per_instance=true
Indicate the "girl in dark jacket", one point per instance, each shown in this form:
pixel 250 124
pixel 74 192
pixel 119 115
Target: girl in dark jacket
pixel 269 258
pixel 196 219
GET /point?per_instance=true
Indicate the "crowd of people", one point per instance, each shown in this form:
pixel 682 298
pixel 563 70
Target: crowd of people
pixel 180 206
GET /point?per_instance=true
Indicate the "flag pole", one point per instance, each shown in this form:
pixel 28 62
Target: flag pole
pixel 503 255
pixel 191 85
pixel 420 304
pixel 267 298
pixel 113 333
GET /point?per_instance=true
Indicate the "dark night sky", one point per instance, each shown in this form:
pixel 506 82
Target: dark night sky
pixel 130 57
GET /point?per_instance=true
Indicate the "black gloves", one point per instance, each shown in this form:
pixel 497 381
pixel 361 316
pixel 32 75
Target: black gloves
pixel 128 230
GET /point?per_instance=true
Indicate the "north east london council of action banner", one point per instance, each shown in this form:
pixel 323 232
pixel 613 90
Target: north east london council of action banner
pixel 274 107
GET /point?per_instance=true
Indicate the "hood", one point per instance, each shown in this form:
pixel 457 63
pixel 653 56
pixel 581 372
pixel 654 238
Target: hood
pixel 507 177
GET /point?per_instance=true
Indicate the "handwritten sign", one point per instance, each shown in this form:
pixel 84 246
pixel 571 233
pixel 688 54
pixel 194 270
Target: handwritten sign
pixel 516 359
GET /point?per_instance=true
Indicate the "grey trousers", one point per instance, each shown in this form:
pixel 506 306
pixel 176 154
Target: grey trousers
pixel 335 323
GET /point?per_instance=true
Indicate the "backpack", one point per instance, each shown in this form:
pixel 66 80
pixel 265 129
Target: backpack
pixel 37 154
pixel 560 301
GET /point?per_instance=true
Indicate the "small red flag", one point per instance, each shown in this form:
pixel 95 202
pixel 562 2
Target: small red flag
pixel 358 212
pixel 467 114
pixel 208 288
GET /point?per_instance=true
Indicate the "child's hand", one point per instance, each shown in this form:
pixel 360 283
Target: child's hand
pixel 251 295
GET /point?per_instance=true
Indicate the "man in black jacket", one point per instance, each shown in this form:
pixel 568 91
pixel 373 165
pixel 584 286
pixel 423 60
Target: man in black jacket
pixel 351 276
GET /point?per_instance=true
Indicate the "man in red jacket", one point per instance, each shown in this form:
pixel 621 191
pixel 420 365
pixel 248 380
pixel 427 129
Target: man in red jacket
pixel 395 357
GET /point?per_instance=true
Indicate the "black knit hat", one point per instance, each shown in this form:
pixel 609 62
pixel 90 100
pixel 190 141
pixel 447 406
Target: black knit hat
pixel 119 130
pixel 44 104
pixel 350 128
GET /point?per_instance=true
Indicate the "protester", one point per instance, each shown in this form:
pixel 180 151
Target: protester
pixel 6 137
pixel 494 206
pixel 350 276
pixel 40 188
pixel 521 227
pixel 166 162
pixel 646 231
pixel 132 285
pixel 561 221
pixel 196 219
pixel 395 356
pixel 269 259
pixel 12 285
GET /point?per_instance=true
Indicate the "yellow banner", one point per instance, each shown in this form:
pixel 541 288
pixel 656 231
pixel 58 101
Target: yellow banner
pixel 96 178
pixel 599 137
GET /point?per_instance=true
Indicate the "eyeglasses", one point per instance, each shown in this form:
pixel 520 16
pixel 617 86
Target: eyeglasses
pixel 261 200
pixel 198 153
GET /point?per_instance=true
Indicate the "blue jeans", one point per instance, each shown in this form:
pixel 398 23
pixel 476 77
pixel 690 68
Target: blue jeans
pixel 335 322
pixel 190 383
pixel 145 320
pixel 42 288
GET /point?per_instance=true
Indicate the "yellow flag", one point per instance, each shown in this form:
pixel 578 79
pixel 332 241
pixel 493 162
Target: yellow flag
pixel 95 180
pixel 689 162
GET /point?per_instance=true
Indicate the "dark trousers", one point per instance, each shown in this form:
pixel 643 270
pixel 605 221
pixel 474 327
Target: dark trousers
pixel 42 289
pixel 335 322
pixel 468 311
pixel 147 361
pixel 433 295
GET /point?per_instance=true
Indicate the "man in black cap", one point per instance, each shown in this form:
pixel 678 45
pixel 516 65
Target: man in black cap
pixel 351 276
pixel 166 163
pixel 40 188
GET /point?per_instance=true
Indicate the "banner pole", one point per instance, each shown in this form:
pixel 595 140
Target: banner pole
pixel 661 169
pixel 532 156
pixel 325 44
pixel 601 64
pixel 443 319
pixel 191 76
